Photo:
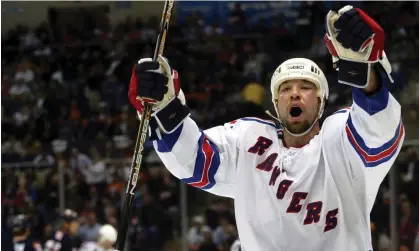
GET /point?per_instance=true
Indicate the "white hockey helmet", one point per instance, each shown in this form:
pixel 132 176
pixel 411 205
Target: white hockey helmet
pixel 107 233
pixel 300 68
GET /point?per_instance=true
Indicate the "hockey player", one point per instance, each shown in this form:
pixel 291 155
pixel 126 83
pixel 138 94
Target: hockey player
pixel 64 238
pixel 106 240
pixel 301 187
pixel 22 239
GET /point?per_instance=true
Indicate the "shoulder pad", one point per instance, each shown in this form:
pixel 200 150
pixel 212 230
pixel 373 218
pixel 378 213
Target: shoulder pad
pixel 344 110
pixel 269 122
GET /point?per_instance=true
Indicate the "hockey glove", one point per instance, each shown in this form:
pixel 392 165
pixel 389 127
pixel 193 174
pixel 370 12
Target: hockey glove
pixel 156 83
pixel 356 43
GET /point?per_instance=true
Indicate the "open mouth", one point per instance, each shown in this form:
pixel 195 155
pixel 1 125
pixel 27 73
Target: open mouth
pixel 295 111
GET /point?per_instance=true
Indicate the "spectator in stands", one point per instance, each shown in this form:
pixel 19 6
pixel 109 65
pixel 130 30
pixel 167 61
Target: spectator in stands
pixel 237 20
pixel 44 158
pixel 79 160
pixel 222 232
pixel 89 227
pixel 416 248
pixel 196 232
pixel 408 230
pixel 207 244
pixel 12 146
pixel 409 169
pixel 19 89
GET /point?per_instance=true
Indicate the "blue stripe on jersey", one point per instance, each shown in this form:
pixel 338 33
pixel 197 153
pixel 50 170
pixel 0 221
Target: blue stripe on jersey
pixel 206 165
pixel 167 142
pixel 373 104
pixel 260 121
pixel 372 157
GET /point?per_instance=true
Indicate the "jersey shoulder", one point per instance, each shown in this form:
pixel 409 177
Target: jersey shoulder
pixel 335 123
pixel 338 117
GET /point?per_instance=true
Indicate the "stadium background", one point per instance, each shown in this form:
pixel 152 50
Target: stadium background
pixel 68 130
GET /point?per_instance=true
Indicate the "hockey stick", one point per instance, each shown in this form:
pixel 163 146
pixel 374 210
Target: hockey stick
pixel 142 135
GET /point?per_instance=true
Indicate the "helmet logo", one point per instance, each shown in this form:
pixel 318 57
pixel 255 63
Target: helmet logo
pixel 295 67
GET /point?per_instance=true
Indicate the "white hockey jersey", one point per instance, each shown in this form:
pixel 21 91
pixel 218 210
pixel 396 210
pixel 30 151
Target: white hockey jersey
pixel 317 197
pixel 90 246
pixel 93 246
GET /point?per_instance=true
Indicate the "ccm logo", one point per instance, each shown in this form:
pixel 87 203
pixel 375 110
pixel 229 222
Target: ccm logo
pixel 295 67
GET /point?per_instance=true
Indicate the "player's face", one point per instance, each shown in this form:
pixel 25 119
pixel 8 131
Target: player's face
pixel 105 244
pixel 74 227
pixel 298 105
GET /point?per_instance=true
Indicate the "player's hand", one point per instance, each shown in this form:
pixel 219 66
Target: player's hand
pixel 156 83
pixel 153 82
pixel 356 42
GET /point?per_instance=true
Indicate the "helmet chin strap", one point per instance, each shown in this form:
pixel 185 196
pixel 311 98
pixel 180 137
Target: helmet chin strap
pixel 288 131
pixel 303 133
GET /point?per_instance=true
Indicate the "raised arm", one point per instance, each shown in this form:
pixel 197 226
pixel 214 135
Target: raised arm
pixel 374 135
pixel 374 132
pixel 203 159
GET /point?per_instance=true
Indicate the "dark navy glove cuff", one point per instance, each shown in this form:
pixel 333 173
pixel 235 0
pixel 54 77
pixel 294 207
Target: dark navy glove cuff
pixel 170 117
pixel 356 74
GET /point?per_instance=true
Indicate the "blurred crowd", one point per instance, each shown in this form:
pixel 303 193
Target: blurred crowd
pixel 65 113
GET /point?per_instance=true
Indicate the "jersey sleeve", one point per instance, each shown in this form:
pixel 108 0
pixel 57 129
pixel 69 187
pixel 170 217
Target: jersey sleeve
pixel 203 159
pixel 373 136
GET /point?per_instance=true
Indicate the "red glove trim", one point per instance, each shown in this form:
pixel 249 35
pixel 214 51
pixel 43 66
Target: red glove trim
pixel 132 90
pixel 330 46
pixel 176 82
pixel 378 37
